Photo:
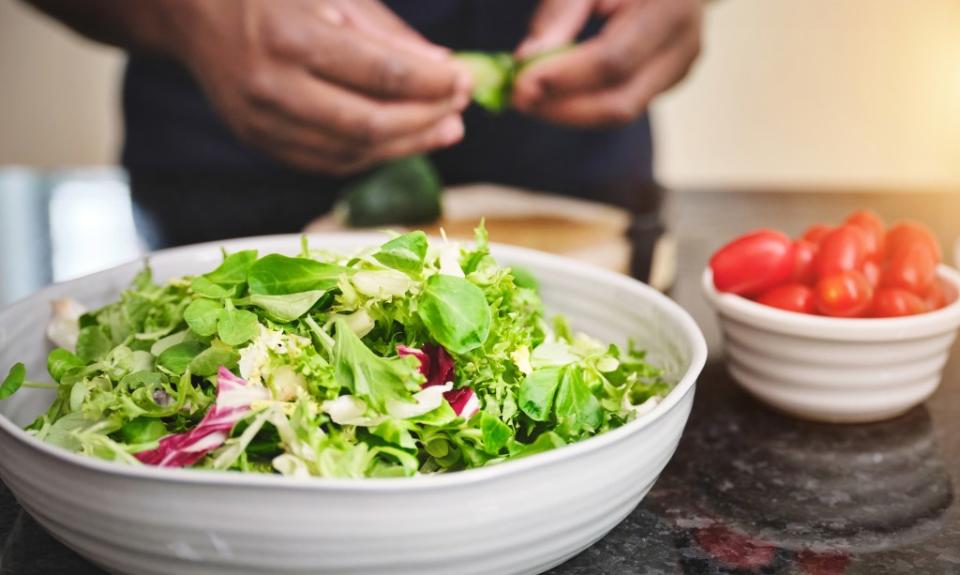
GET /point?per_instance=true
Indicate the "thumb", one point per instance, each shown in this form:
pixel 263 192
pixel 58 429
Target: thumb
pixel 555 23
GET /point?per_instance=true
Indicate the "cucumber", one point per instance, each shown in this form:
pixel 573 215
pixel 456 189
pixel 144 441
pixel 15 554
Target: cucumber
pixel 405 191
pixel 493 74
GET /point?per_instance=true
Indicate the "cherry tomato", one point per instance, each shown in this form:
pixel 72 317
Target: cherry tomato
pixel 791 297
pixel 874 232
pixel 754 263
pixel 804 259
pixel 846 294
pixel 941 294
pixel 872 271
pixel 816 233
pixel 910 232
pixel 911 267
pixel 895 302
pixel 734 549
pixel 843 249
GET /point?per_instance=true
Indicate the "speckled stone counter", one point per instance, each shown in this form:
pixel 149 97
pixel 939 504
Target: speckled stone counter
pixel 749 490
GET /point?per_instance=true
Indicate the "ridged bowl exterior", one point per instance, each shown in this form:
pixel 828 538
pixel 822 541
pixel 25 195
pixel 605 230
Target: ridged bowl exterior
pixel 833 369
pixel 519 517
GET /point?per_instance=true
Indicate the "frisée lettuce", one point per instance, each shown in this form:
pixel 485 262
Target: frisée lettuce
pixel 405 358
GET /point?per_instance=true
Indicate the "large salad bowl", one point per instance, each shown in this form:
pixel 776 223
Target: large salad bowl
pixel 521 516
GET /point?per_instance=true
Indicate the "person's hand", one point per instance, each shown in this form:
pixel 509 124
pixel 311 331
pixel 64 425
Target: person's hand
pixel 332 86
pixel 644 48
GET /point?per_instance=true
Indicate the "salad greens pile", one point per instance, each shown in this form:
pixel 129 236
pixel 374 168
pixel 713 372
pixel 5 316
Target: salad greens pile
pixel 406 358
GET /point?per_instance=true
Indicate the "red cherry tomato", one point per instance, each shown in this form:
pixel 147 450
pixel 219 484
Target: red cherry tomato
pixel 791 297
pixel 816 233
pixel 874 232
pixel 909 232
pixel 804 269
pixel 911 267
pixel 843 249
pixel 872 271
pixel 754 263
pixel 734 549
pixel 895 302
pixel 846 294
pixel 941 294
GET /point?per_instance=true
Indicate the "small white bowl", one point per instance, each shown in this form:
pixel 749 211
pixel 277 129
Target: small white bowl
pixel 835 369
pixel 519 517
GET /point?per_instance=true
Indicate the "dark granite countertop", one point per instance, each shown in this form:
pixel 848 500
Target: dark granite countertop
pixel 749 490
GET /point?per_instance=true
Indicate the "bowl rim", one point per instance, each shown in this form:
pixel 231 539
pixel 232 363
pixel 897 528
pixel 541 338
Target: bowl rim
pixel 786 322
pixel 686 384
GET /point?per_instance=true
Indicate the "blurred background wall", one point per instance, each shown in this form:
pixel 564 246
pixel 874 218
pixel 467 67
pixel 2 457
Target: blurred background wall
pixel 851 93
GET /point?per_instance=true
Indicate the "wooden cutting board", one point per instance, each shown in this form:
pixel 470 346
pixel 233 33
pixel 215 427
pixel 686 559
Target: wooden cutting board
pixel 580 229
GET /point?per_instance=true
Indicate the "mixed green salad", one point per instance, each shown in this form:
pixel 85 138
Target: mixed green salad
pixel 405 358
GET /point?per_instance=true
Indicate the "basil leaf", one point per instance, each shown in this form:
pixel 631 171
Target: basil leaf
pixel 576 405
pixel 404 253
pixel 13 381
pixel 276 274
pixel 370 377
pixel 455 312
pixel 202 315
pixel 62 361
pixel 176 358
pixel 537 392
pixel 93 343
pixel 234 269
pixel 208 361
pixel 286 308
pixel 237 326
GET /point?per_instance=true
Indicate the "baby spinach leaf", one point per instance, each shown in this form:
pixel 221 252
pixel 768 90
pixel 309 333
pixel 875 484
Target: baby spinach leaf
pixel 544 442
pixel 404 253
pixel 277 274
pixel 143 430
pixel 176 358
pixel 236 326
pixel 93 343
pixel 538 391
pixel 576 405
pixel 208 361
pixel 286 308
pixel 455 312
pixel 370 377
pixel 206 288
pixel 233 271
pixel 202 315
pixel 62 361
pixel 13 381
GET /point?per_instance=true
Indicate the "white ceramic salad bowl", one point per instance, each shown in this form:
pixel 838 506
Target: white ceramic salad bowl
pixel 835 369
pixel 522 516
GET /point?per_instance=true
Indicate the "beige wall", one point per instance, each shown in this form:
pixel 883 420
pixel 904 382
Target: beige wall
pixel 788 92
pixel 58 93
pixel 829 92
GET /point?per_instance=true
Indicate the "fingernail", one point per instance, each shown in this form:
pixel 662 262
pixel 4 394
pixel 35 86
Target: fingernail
pixel 460 101
pixel 450 130
pixel 464 82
